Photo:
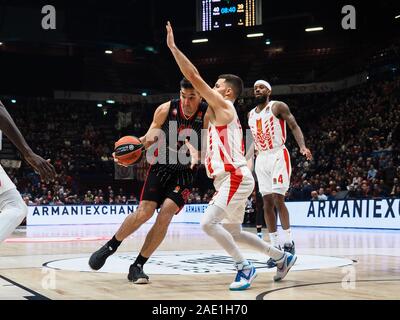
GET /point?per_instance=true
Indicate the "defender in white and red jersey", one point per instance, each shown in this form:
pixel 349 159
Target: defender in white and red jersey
pixel 233 181
pixel 267 123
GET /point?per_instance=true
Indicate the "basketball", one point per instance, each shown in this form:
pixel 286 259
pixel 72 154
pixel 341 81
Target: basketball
pixel 128 150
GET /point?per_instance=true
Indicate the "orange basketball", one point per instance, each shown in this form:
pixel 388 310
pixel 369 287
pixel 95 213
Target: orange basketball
pixel 128 150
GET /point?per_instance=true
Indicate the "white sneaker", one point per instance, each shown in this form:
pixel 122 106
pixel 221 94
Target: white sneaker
pixel 283 265
pixel 244 277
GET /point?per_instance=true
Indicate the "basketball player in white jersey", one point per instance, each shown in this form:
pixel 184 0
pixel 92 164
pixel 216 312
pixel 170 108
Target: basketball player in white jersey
pixel 267 123
pixel 13 209
pixel 226 164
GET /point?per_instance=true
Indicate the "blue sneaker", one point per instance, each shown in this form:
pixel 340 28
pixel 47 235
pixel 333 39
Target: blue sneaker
pixel 260 235
pixel 284 265
pixel 244 277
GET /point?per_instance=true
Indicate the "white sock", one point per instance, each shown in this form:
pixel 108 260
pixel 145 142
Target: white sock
pixel 210 223
pixel 274 239
pixel 13 211
pixel 287 236
pixel 252 240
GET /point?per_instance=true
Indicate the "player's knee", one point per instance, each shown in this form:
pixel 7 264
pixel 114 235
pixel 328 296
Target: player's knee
pixel 268 200
pixel 278 200
pixel 164 218
pixel 233 229
pixel 269 206
pixel 22 212
pixel 143 214
pixel 19 210
pixel 207 226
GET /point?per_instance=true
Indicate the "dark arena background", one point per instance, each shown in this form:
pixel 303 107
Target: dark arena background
pixel 77 76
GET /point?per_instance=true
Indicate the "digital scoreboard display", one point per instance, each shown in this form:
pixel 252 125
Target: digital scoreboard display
pixel 222 14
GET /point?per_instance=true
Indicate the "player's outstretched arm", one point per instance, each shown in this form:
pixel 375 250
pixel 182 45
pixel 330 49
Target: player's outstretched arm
pixel 282 111
pixel 8 126
pixel 215 101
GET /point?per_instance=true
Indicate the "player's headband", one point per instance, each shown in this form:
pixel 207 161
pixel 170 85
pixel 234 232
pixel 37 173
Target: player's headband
pixel 264 83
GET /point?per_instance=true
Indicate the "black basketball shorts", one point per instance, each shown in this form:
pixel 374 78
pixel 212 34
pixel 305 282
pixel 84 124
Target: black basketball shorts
pixel 161 184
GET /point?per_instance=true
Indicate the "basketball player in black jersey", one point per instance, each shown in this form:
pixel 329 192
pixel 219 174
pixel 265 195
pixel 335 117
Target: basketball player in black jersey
pixel 169 180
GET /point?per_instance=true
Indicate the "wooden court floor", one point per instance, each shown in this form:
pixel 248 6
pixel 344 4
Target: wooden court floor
pixel 51 263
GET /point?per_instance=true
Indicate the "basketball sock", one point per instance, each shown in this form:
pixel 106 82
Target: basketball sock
pixel 13 211
pixel 210 224
pixel 252 240
pixel 273 238
pixel 259 229
pixel 114 243
pixel 140 260
pixel 287 236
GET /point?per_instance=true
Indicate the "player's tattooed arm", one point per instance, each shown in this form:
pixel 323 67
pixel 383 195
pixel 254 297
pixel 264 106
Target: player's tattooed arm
pixel 282 111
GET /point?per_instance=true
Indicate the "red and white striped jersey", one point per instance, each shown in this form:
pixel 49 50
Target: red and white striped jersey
pixel 268 131
pixel 225 147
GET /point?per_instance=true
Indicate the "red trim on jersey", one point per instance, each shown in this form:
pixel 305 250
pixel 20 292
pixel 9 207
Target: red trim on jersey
pixel 287 161
pixel 240 128
pixel 236 180
pixel 182 113
pixel 282 123
pixel 222 134
pixel 144 184
pixel 209 167
pixel 260 137
pixel 268 135
pixel 228 167
pixel 271 122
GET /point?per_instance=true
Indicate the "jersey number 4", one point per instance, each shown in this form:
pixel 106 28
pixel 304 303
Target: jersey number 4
pixel 280 179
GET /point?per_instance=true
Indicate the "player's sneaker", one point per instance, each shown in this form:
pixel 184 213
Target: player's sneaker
pixel 260 235
pixel 98 258
pixel 271 263
pixel 137 275
pixel 283 265
pixel 246 273
pixel 289 247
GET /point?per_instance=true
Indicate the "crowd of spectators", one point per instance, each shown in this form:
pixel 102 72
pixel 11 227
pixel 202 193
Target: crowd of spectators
pixel 353 135
pixel 355 140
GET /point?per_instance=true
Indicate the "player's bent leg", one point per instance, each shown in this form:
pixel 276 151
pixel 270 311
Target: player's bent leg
pixel 131 223
pixel 211 224
pixel 279 200
pixel 136 219
pixel 13 210
pixel 253 241
pixel 153 239
pixel 270 218
pixel 159 229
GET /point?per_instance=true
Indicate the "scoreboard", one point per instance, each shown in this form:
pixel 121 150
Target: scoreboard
pixel 222 14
